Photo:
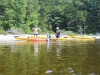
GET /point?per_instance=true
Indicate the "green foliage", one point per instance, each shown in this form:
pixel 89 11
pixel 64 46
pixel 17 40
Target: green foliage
pixel 31 17
pixel 70 33
pixel 2 31
pixel 18 30
pixel 26 29
pixel 74 15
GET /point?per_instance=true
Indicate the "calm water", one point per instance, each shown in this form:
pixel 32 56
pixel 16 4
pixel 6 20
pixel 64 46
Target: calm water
pixel 51 58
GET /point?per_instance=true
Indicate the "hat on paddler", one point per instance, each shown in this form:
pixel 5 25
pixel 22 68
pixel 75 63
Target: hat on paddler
pixel 57 28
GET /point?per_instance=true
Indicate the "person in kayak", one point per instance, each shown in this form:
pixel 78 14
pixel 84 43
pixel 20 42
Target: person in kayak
pixel 58 32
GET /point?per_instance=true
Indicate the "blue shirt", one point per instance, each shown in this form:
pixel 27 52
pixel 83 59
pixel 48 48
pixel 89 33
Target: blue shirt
pixel 58 33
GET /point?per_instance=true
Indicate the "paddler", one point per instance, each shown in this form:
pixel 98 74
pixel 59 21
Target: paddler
pixel 58 32
pixel 36 29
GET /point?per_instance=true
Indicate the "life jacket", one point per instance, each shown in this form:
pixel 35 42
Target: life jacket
pixel 35 29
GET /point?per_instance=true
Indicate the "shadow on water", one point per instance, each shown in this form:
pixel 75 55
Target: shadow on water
pixel 71 57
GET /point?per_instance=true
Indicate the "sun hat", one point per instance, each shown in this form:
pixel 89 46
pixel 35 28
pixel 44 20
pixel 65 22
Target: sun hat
pixel 57 28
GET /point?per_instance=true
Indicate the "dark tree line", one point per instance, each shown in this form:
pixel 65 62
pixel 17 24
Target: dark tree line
pixel 80 16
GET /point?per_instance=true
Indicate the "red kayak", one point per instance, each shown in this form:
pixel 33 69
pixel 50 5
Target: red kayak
pixel 32 39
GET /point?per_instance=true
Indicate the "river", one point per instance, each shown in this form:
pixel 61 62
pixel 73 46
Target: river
pixel 71 57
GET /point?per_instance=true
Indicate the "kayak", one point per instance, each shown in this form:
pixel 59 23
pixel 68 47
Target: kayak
pixel 62 39
pixel 31 39
pixel 81 38
pixel 44 38
pixel 39 39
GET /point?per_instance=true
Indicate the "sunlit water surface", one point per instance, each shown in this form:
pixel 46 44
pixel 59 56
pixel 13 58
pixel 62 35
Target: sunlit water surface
pixel 71 57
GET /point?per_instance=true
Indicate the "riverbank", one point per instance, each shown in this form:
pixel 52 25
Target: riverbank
pixel 13 37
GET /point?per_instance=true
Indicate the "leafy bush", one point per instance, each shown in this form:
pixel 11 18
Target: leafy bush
pixel 2 31
pixel 45 32
pixel 70 33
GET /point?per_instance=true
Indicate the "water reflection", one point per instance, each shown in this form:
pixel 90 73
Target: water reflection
pixel 36 46
pixel 49 44
pixel 59 47
pixel 54 58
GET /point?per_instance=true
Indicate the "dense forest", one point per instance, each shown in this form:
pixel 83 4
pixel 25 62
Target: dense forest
pixel 79 16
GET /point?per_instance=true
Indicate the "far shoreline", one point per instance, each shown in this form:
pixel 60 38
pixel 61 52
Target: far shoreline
pixel 13 37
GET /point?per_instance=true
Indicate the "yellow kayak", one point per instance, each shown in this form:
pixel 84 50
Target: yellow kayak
pixel 82 38
pixel 53 38
pixel 69 37
pixel 62 39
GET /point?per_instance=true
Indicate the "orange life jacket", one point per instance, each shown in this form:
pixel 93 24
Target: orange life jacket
pixel 35 29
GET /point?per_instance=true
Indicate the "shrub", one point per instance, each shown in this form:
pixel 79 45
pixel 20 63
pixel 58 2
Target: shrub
pixel 70 33
pixel 2 31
